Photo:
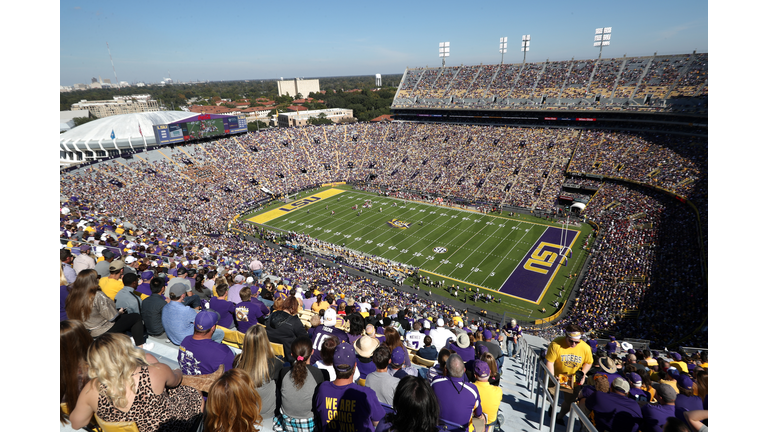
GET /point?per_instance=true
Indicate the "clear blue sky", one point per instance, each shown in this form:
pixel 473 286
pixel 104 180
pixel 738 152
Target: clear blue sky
pixel 267 39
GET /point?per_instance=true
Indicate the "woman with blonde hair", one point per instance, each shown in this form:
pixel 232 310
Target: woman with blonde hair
pixel 258 360
pixel 125 386
pixel 87 303
pixel 222 415
pixel 73 369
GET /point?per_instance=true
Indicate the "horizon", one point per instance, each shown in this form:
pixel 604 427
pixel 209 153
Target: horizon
pixel 172 40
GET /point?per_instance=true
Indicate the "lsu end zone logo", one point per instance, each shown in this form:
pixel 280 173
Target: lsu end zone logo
pixel 439 249
pixel 396 223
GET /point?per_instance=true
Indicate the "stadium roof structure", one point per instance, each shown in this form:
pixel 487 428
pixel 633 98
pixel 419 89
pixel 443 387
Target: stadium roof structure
pixel 129 130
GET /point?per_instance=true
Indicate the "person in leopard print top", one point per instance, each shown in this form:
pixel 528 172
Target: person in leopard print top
pixel 129 385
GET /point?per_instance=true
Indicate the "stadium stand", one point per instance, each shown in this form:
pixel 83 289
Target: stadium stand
pixel 643 186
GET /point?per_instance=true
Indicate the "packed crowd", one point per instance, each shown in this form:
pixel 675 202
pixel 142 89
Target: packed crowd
pixel 623 389
pixel 647 263
pixel 476 164
pixel 112 285
pixel 676 76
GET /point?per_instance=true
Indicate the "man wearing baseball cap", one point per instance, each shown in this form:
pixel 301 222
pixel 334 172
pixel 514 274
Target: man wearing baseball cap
pixel 102 267
pixel 113 283
pixel 198 354
pixel 84 261
pixel 342 405
pixel 178 319
pixel 325 331
pixel 614 411
pixel 656 415
pixel 565 356
pixel 493 347
pixel 440 335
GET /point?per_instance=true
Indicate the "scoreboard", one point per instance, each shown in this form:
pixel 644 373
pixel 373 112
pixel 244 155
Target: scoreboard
pixel 200 126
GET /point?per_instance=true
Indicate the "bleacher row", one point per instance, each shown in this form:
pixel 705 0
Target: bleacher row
pixel 235 338
pixel 569 84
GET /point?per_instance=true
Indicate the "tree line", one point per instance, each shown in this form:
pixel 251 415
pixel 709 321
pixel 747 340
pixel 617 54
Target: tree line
pixel 366 103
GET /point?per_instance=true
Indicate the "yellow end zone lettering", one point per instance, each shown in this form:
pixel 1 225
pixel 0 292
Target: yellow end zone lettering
pixel 276 213
pixel 544 259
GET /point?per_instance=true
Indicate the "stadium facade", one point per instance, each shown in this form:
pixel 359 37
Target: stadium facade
pixel 113 135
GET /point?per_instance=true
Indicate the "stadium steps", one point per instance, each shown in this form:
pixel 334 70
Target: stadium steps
pixel 188 155
pixel 177 165
pixel 565 80
pixel 618 77
pixel 680 76
pixel 642 77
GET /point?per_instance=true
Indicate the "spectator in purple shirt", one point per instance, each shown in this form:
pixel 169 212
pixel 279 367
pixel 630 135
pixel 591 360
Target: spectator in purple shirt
pixel 342 405
pixel 614 411
pixel 246 313
pixel 685 400
pixel 459 399
pixel 656 415
pixel 198 354
pixel 463 348
pixel 224 307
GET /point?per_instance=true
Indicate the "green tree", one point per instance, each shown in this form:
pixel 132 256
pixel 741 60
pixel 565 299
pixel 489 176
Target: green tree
pixel 256 125
pixel 321 119
pixel 82 120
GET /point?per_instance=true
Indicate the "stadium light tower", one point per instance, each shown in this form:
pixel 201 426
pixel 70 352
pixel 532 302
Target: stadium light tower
pixel 502 47
pixel 444 51
pixel 602 38
pixel 526 45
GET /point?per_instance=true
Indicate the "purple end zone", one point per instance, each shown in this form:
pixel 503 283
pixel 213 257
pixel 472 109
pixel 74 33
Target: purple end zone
pixel 534 273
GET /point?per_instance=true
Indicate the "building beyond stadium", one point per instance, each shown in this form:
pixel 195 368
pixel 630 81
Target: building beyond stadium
pixel 93 140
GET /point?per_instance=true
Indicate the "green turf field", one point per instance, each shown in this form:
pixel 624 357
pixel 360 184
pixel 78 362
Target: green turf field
pixel 463 247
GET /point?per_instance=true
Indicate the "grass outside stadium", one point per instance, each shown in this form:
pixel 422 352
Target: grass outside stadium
pixel 462 247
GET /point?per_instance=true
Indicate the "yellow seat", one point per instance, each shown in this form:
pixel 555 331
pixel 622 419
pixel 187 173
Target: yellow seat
pixel 361 381
pixel 422 361
pixel 278 349
pixel 232 338
pixel 125 426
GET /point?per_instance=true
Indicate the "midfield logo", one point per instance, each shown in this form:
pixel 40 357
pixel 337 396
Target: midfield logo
pixel 439 249
pixel 396 223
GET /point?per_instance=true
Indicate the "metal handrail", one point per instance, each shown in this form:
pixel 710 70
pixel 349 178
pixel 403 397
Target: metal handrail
pixel 543 381
pixel 585 423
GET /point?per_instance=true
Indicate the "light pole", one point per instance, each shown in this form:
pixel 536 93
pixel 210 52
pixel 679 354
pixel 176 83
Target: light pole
pixel 502 47
pixel 526 45
pixel 444 51
pixel 602 38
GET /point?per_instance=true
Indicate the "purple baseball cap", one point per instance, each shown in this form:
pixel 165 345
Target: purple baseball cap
pixel 685 382
pixel 482 370
pixel 146 275
pixel 205 320
pixel 344 355
pixel 487 334
pixel 398 356
pixel 677 356
pixel 481 349
pixel 635 378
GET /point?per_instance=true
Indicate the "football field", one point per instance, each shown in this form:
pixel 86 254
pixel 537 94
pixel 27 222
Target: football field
pixel 520 259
